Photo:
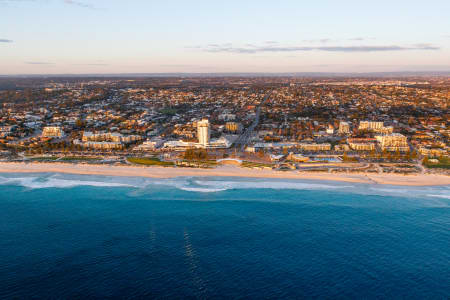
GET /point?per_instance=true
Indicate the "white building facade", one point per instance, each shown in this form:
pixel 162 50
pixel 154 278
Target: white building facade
pixel 203 132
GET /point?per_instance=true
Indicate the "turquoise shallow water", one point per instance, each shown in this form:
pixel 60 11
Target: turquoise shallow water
pixel 66 236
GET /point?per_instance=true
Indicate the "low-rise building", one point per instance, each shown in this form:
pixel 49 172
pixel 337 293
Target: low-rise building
pixel 393 142
pixel 434 152
pixel 375 127
pixel 233 127
pixel 150 145
pixel 315 147
pixel 361 144
pixel 344 128
pixel 52 132
pixel 109 137
pixel 99 145
pixel 370 125
pixel 297 157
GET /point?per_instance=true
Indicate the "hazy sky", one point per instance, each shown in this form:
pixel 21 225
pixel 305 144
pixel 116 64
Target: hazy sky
pixel 137 36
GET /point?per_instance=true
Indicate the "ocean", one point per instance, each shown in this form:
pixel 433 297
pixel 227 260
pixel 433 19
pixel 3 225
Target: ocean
pixel 72 236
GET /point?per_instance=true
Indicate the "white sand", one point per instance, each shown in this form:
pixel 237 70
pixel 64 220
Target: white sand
pixel 222 171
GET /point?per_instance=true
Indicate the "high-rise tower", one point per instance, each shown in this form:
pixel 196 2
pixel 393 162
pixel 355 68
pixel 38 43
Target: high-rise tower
pixel 203 133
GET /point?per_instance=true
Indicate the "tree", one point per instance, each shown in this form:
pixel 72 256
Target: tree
pixel 261 153
pixel 79 123
pixel 189 154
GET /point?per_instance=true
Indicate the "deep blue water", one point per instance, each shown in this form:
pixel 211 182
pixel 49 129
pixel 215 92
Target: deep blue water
pixel 80 237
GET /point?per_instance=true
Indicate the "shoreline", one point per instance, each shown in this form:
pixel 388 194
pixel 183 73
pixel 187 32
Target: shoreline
pixel 221 171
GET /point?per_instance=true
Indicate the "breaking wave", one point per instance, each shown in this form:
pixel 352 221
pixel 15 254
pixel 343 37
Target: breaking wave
pixel 275 185
pixel 217 185
pixel 201 190
pixel 439 196
pixel 53 182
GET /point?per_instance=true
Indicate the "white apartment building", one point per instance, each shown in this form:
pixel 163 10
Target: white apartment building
pixel 109 137
pixel 393 142
pixel 370 125
pixel 203 132
pixel 375 127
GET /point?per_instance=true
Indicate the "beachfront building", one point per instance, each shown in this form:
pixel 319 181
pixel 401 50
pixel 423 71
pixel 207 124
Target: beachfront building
pixel 179 145
pixel 357 146
pixel 393 142
pixel 362 144
pixel 297 157
pixel 203 132
pixel 105 140
pixel 221 143
pixel 430 151
pixel 109 137
pixel 289 145
pixel 100 145
pixel 315 147
pixel 149 145
pixel 276 158
pixel 271 146
pixel 52 132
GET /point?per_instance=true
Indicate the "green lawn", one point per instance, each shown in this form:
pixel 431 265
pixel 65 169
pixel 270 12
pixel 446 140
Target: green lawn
pixel 70 158
pixel 249 164
pixel 43 158
pixel 149 161
pixel 444 163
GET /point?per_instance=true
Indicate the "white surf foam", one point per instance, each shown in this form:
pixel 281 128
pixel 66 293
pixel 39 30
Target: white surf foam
pixel 201 190
pixel 207 185
pixel 277 185
pixel 51 182
pixel 391 190
pixel 439 196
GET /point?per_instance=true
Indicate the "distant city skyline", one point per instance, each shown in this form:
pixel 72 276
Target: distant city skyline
pixel 81 37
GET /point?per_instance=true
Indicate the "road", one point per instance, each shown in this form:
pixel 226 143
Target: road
pixel 244 138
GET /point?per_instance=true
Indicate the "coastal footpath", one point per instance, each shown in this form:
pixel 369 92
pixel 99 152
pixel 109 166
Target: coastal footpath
pixel 221 171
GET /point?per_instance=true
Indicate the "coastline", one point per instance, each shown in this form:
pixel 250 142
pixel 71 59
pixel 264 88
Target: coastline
pixel 221 171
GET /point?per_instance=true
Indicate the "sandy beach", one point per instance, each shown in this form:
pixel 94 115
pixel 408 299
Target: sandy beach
pixel 221 171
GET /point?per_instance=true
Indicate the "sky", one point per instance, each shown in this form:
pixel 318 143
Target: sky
pixel 199 36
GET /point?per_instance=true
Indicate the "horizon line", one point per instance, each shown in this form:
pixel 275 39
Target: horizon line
pixel 408 73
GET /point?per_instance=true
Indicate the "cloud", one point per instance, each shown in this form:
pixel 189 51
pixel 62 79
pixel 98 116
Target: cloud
pixel 78 3
pixel 426 46
pixel 8 3
pixel 38 63
pixel 92 64
pixel 5 41
pixel 228 48
pixel 328 40
pixel 11 1
pixel 317 41
pixel 200 67
pixel 68 2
